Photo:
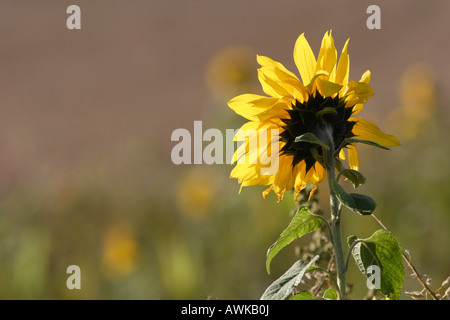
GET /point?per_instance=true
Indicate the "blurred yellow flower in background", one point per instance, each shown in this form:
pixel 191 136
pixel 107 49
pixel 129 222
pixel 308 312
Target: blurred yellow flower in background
pixel 231 69
pixel 418 102
pixel 195 192
pixel 120 250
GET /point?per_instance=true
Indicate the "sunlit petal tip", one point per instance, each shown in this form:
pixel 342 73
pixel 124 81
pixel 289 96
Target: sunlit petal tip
pixel 357 108
pixel 353 157
pixel 342 154
pixel 304 59
pixel 366 77
pixel 357 92
pixel 270 86
pixel 343 66
pixel 281 195
pixel 345 48
pixel 366 130
pixel 329 88
pixel 311 193
pixel 250 106
pixel 267 191
pixel 326 59
pixel 262 60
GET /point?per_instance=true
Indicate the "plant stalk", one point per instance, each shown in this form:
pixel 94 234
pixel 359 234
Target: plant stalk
pixel 335 207
pixel 337 238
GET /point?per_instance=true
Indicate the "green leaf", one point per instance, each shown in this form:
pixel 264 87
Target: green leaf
pixel 311 138
pixel 364 205
pixel 330 294
pixel 305 295
pixel 382 250
pixel 342 195
pixel 359 203
pixel 302 223
pixel 355 177
pixel 371 143
pixel 351 239
pixel 281 288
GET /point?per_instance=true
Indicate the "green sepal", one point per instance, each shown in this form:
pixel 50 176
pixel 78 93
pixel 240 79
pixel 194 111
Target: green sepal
pixel 326 110
pixel 371 143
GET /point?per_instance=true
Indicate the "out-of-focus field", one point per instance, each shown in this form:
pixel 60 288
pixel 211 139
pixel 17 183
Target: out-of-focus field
pixel 86 176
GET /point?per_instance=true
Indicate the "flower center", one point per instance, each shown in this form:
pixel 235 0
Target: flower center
pixel 321 116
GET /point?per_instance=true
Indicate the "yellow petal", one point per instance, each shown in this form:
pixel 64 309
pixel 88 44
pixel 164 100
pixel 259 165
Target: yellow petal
pixel 258 181
pixel 328 88
pixel 267 191
pixel 314 85
pixel 304 59
pixel 276 112
pixel 357 92
pixel 343 67
pixel 342 154
pixel 259 140
pixel 366 77
pixel 250 105
pixel 243 172
pixel 269 63
pixel 327 56
pixel 292 86
pixel 240 151
pixel 315 175
pixel 353 157
pixel 357 108
pixel 300 180
pixel 284 178
pixel 366 130
pixel 279 74
pixel 318 173
pixel 271 87
pixel 250 175
pixel 250 128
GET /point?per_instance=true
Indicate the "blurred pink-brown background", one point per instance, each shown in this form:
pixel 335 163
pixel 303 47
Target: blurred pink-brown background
pixel 86 176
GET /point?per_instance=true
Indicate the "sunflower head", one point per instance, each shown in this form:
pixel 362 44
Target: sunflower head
pixel 321 105
pixel 320 116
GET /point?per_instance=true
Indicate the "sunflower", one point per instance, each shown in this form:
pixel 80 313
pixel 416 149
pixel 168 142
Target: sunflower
pixel 322 104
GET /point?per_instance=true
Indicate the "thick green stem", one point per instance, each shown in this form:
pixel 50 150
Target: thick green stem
pixel 337 243
pixel 335 207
